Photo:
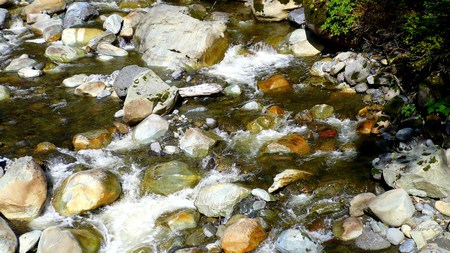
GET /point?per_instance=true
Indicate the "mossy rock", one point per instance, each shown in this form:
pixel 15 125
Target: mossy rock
pixel 89 240
pixel 134 4
pixel 265 122
pixel 214 53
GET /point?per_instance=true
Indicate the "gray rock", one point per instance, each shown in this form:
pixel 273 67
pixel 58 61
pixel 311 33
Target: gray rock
pixel 359 203
pixel 262 194
pixel 394 236
pixel 297 17
pixel 361 87
pixel 110 50
pixel 4 15
pixel 170 38
pixel 205 89
pixel 79 13
pixel 407 246
pixel 357 70
pixel 211 122
pixel 28 240
pixel 336 68
pixel 196 142
pixel 4 93
pixel 19 63
pixel 371 241
pixel 106 37
pixel 276 10
pixel 422 171
pixel 125 78
pixel 377 80
pixel 393 207
pixel 233 90
pixel 51 29
pixel 64 54
pixel 146 84
pixel 293 241
pixel 259 205
pixel 8 240
pixel 113 23
pixel 303 45
pixel 405 134
pixel 317 68
pixel 75 80
pixel 150 129
pixel 345 56
pixel 219 199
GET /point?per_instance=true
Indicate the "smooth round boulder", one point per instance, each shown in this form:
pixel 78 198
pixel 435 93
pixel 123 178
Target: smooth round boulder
pixel 56 239
pixel 95 139
pixel 8 240
pixel 150 129
pixel 393 207
pixel 64 54
pixel 275 84
pixel 242 236
pixel 322 111
pixel 23 189
pixel 85 191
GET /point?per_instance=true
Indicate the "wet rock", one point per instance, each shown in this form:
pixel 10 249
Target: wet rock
pixel 150 129
pixel 47 6
pixel 377 80
pixel 243 236
pixel 251 106
pixel 365 127
pixel 273 10
pixel 125 78
pixel 211 123
pixel 293 241
pixel 196 142
pixel 29 240
pixel 137 110
pixel 233 90
pixel 407 246
pixel 287 177
pixel 303 117
pixel 322 111
pixel 106 37
pixel 297 17
pixel 291 143
pixel 348 229
pixel 85 191
pixel 219 199
pixel 110 50
pixel 443 207
pixel 180 219
pixel 262 194
pixel 89 89
pixel 29 73
pixel 56 239
pixel 422 171
pixel 4 16
pixel 262 123
pixel 302 45
pixel 133 4
pixel 275 84
pixel 23 189
pixel 45 147
pixel 8 240
pixel 427 230
pixel 357 70
pixel 19 63
pixel 317 68
pixel 393 207
pixel 170 38
pixel 371 241
pixel 405 134
pixel 130 22
pixel 328 133
pixel 361 87
pixel 359 203
pixel 275 111
pixel 4 93
pixel 78 37
pixel 146 84
pixel 95 139
pixel 113 23
pixel 64 54
pixel 167 178
pixel 79 13
pixel 75 80
pixel 394 236
pixel 205 89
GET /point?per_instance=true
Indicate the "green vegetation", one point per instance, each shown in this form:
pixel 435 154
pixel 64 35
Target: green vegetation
pixel 340 17
pixel 440 107
pixel 408 110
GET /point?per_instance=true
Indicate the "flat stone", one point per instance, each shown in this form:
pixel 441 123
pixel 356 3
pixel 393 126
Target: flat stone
pixel 443 207
pixel 19 63
pixel 47 6
pixel 394 236
pixel 349 229
pixel 205 89
pixel 64 54
pixel 75 80
pixel 336 68
pixel 89 89
pixel 150 129
pixel 196 142
pixel 108 49
pixel 393 207
pixel 287 177
pixel 28 240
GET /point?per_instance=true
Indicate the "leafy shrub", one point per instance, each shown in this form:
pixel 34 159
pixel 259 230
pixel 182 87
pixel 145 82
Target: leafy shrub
pixel 340 17
pixel 440 107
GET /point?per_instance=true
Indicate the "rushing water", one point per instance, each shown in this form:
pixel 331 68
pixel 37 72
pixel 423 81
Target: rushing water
pixel 41 109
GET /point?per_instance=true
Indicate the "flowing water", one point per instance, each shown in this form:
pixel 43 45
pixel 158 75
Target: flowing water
pixel 42 109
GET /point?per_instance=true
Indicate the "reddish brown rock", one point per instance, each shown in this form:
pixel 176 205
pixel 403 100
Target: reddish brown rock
pixel 242 236
pixel 275 84
pixel 328 133
pixel 275 111
pixel 95 139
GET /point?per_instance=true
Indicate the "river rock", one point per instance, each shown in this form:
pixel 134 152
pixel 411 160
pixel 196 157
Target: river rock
pixel 23 189
pixel 205 89
pixel 275 84
pixel 4 16
pixel 146 84
pixel 133 4
pixel 348 229
pixel 443 207
pixel 407 246
pixel 393 207
pixel 291 143
pixel 301 45
pixel 262 194
pixel 242 236
pixel 28 240
pixel 429 229
pixel 29 73
pixel 357 70
pixel 150 129
pixel 297 17
pixel 233 90
pixel 404 134
pixel 219 199
pixel 106 37
pixel 293 241
pixel 113 23
pixel 108 49
pixel 337 68
pixel 89 89
pixel 64 54
pixel 394 236
pixel 47 6
pixel 95 139
pixel 359 203
pixel 78 37
pixel 8 240
pixel 137 110
pixel 19 63
pixel 422 171
pixel 56 239
pixel 85 191
pixel 4 93
pixel 179 219
pixel 196 142
pixel 170 38
pixel 317 68
pixel 167 178
pixel 126 77
pixel 287 177
pixel 361 87
pixel 130 22
pixel 75 80
pixel 322 111
pixel 273 10
pixel 164 102
pixel 262 123
pixel 79 13
pixel 371 241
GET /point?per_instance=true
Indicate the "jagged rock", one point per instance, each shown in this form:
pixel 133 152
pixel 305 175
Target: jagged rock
pixel 28 240
pixel 8 240
pixel 113 23
pixel 293 241
pixel 64 54
pixel 286 177
pixel 243 236
pixel 145 84
pixel 79 13
pixel 150 129
pixel 393 207
pixel 196 142
pixel 47 6
pixel 273 10
pixel 95 139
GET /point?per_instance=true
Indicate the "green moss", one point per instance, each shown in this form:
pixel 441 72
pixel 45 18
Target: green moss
pixel 433 159
pixel 426 168
pixel 258 5
pixel 89 240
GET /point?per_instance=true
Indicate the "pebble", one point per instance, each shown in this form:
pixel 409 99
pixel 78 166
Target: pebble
pixel 259 205
pixel 419 207
pixel 170 150
pixel 156 147
pixel 407 246
pixel 394 236
pixel 406 229
pixel 251 106
pixel 262 194
pixel 211 123
pixel 119 113
pixel 361 87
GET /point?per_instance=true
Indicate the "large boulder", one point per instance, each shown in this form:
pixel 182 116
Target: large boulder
pixel 23 189
pixel 56 239
pixel 393 207
pixel 150 129
pixel 8 240
pixel 167 178
pixel 197 142
pixel 79 13
pixel 170 38
pixel 220 199
pixel 422 171
pixel 244 235
pixel 293 241
pixel 125 79
pixel 273 10
pixel 86 190
pixel 357 71
pixel 303 45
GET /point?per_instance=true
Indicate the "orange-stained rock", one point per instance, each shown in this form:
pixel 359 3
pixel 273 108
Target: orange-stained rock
pixel 291 143
pixel 364 127
pixel 44 147
pixel 328 133
pixel 95 139
pixel 275 84
pixel 242 236
pixel 275 111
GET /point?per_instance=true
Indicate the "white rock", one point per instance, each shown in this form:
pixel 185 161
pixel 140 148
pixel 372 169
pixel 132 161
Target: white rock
pixel 393 207
pixel 170 150
pixel 302 46
pixel 273 10
pixel 394 236
pixel 205 89
pixel 406 229
pixel 75 80
pixel 113 23
pixel 4 93
pixel 150 129
pixel 359 203
pixel 29 72
pixel 28 240
pixel 262 194
pixel 196 142
pixel 252 106
pixel 8 240
pixel 110 50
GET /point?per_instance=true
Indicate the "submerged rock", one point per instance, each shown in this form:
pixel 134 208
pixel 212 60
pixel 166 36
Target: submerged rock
pixel 8 240
pixel 19 63
pixel 393 207
pixel 150 129
pixel 23 189
pixel 220 199
pixel 322 111
pixel 286 177
pixel 243 236
pixel 85 191
pixel 261 123
pixel 56 239
pixel 275 84
pixel 293 241
pixel 196 142
pixel 180 219
pixel 167 178
pixel 95 139
pixel 291 143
